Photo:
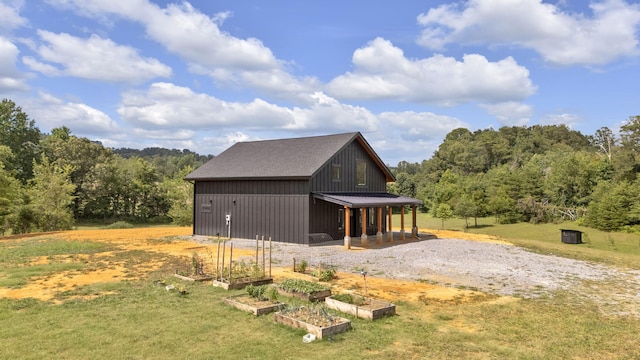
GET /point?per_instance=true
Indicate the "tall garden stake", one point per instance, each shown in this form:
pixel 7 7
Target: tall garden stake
pixel 269 256
pixel 218 276
pixel 230 263
pixel 224 247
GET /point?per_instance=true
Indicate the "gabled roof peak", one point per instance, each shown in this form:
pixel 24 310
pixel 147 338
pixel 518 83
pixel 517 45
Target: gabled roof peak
pixel 293 158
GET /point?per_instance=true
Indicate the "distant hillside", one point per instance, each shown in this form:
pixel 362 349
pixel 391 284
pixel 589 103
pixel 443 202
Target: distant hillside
pixel 152 152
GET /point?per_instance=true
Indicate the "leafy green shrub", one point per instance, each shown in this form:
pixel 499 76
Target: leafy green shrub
pixel 244 271
pixel 256 292
pixel 345 298
pixel 301 267
pixel 350 299
pixel 119 225
pixel 302 286
pixel 262 292
pixel 271 294
pixel 197 264
pixel 324 274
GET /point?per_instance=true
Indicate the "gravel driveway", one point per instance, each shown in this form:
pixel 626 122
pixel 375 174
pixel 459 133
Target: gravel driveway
pixel 484 266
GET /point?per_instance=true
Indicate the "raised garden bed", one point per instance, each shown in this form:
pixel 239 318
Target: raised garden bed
pixel 364 308
pixel 303 289
pixel 252 305
pixel 316 322
pixel 241 284
pixel 194 277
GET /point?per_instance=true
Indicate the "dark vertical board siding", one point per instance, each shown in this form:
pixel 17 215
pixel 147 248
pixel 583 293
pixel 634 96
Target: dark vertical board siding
pixel 284 187
pixel 282 217
pixel 347 158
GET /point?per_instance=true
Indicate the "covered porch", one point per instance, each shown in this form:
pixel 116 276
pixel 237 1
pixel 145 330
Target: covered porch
pixel 373 205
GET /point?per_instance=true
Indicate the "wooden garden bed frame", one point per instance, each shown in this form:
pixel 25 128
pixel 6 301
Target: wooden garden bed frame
pixel 319 332
pixel 375 309
pixel 257 310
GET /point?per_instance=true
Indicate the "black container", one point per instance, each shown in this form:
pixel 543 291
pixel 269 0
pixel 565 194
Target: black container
pixel 571 236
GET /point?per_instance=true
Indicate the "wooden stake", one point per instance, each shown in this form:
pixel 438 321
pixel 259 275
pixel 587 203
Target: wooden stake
pixel 269 256
pixel 257 245
pixel 224 248
pixel 263 264
pixel 230 263
pixel 218 276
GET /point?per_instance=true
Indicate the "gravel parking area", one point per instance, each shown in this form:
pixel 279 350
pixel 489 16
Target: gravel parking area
pixel 488 267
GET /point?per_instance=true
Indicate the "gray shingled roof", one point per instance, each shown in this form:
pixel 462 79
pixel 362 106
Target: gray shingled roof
pixel 276 159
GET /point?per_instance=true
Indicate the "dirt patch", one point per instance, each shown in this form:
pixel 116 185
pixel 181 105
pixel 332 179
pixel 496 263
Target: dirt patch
pixel 451 234
pixel 171 241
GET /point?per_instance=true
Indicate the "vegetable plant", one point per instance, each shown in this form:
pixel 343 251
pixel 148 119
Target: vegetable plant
pixel 302 286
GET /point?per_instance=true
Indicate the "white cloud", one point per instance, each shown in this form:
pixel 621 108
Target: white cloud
pixel 10 77
pixel 166 105
pixel 510 113
pixel 411 136
pixel 10 15
pixel 328 114
pixel 562 38
pixel 186 31
pixel 198 38
pixel 51 112
pixel 94 58
pixel 571 120
pixel 414 126
pixel 383 72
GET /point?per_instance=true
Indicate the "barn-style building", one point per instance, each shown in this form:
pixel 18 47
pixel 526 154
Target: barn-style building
pixel 301 190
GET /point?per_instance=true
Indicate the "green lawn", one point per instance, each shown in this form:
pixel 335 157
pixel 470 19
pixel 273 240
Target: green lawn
pixel 141 320
pixel 144 321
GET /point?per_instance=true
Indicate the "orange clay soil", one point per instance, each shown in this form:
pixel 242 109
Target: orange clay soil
pixel 150 240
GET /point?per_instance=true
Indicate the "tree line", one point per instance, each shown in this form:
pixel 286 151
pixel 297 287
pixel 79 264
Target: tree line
pixel 534 174
pixel 50 181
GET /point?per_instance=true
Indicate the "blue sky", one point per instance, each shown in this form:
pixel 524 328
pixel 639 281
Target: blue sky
pixel 204 74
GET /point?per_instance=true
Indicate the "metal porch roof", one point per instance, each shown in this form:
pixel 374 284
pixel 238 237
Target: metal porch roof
pixel 360 200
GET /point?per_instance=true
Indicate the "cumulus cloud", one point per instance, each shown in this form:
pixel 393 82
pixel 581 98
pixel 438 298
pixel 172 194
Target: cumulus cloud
pixel 166 105
pixel 414 126
pixel 383 72
pixel 510 113
pixel 329 114
pixel 199 39
pixel 413 137
pixel 51 112
pixel 562 38
pixel 10 15
pixel 171 106
pixel 10 77
pixel 94 58
pixel 571 120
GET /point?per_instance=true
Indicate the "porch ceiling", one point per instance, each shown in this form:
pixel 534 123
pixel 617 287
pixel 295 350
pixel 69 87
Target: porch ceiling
pixel 361 200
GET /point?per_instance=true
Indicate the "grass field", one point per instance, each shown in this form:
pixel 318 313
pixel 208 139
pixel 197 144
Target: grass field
pixel 615 248
pixel 129 317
